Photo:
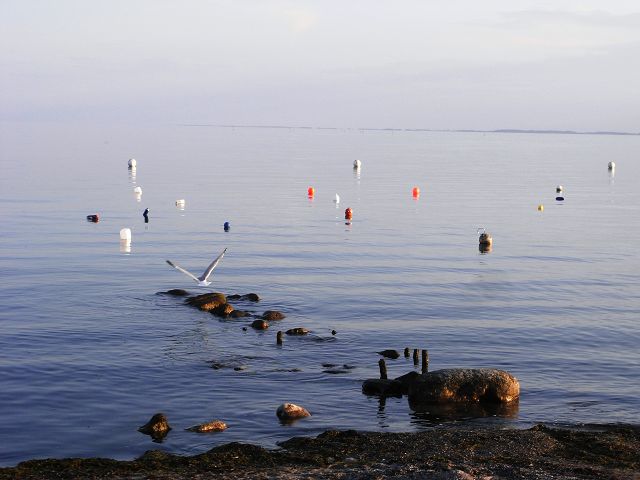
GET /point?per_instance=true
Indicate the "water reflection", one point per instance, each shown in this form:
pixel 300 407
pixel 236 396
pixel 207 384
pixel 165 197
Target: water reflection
pixel 430 414
pixel 125 246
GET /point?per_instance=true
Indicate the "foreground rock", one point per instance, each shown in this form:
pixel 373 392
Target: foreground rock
pixel 462 385
pixel 207 301
pixel 157 427
pixel 213 426
pixel 443 453
pixel 273 315
pixel 291 411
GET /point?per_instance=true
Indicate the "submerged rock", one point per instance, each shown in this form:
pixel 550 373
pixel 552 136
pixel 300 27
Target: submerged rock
pixel 223 310
pixel 297 331
pixel 393 354
pixel 291 411
pixel 157 427
pixel 272 315
pixel 207 301
pixel 213 426
pixel 260 324
pixel 459 385
pixel 238 314
pixel 252 297
pixel 177 292
pixel 378 386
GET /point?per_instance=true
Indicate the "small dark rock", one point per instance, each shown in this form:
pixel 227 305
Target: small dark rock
pixel 252 297
pixel 157 427
pixel 393 354
pixel 238 314
pixel 260 324
pixel 329 365
pixel 348 367
pixel 207 301
pixel 272 315
pixel 377 386
pixel 177 292
pixel 335 371
pixel 297 331
pixel 223 310
pixel 333 332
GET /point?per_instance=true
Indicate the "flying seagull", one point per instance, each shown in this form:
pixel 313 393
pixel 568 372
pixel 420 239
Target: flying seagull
pixel 202 279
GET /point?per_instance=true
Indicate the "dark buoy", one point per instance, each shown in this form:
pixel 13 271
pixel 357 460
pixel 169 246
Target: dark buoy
pixel 145 214
pixel 560 199
pixel 226 226
pixel 485 239
pixel 93 218
pixel 333 332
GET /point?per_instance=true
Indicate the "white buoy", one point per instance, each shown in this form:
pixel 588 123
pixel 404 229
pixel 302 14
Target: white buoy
pixel 357 164
pixel 612 165
pixel 336 199
pixel 559 189
pixel 137 191
pixel 125 235
pixel 132 163
pixel 180 203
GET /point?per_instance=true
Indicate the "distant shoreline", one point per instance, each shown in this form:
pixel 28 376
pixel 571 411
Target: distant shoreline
pixel 448 452
pixel 366 129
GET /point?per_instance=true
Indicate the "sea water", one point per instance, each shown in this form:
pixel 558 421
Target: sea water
pixel 89 350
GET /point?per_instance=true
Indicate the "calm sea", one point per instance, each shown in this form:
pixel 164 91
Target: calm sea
pixel 89 350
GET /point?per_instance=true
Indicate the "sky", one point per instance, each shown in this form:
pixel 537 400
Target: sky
pixel 435 64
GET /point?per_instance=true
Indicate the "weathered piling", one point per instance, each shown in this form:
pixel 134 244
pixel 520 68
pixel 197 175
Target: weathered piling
pixel 416 353
pixel 383 369
pixel 425 361
pixel 279 337
pixel 407 353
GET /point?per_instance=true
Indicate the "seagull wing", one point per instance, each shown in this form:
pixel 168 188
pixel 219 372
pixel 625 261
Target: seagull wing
pixel 213 265
pixel 186 272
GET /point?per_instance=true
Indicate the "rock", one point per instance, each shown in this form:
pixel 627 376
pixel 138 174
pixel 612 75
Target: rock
pixel 272 315
pixel 406 380
pixel 157 427
pixel 238 314
pixel 252 297
pixel 390 354
pixel 378 386
pixel 260 324
pixel 483 385
pixel 207 301
pixel 297 331
pixel 291 411
pixel 223 310
pixel 177 292
pixel 213 426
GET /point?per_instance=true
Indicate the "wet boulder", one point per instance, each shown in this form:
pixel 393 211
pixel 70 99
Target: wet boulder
pixel 213 426
pixel 176 292
pixel 460 385
pixel 223 310
pixel 384 387
pixel 273 315
pixel 207 301
pixel 291 411
pixel 238 314
pixel 260 324
pixel 157 427
pixel 251 297
pixel 393 354
pixel 297 331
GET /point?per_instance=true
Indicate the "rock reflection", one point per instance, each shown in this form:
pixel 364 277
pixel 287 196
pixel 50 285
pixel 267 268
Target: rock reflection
pixel 437 413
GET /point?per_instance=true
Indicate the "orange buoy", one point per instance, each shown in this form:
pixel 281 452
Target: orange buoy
pixel 348 214
pixel 415 192
pixel 311 191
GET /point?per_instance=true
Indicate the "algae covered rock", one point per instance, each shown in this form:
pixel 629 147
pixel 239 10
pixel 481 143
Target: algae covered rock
pixel 157 427
pixel 460 385
pixel 207 301
pixel 273 315
pixel 291 411
pixel 213 426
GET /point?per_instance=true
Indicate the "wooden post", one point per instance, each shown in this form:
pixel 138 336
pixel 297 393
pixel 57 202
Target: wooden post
pixel 416 352
pixel 406 352
pixel 279 338
pixel 425 361
pixel 383 369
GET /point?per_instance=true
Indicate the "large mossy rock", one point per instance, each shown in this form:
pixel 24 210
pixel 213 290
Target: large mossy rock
pixel 461 385
pixel 207 301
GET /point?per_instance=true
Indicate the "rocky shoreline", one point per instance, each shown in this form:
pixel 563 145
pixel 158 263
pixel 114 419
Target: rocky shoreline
pixel 458 452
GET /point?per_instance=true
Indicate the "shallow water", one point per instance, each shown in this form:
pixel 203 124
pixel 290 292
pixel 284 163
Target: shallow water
pixel 89 350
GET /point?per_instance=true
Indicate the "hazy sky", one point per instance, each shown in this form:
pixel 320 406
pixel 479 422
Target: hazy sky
pixel 561 64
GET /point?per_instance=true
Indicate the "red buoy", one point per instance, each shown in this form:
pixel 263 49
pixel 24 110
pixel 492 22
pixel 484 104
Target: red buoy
pixel 311 191
pixel 415 192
